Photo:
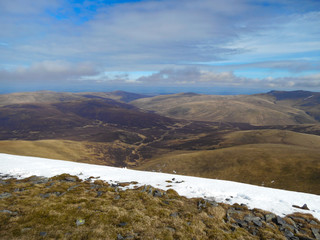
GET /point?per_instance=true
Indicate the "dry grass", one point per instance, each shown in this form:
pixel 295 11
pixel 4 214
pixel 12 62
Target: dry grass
pixel 107 213
pixel 253 109
pixel 136 214
pixel 113 154
pixel 274 165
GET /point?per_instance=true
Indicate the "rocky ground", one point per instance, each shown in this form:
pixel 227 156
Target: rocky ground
pixel 65 207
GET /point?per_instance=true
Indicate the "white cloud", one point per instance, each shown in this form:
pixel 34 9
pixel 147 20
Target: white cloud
pixel 57 71
pixel 154 35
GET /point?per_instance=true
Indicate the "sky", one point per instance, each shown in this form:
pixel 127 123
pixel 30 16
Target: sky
pixel 160 46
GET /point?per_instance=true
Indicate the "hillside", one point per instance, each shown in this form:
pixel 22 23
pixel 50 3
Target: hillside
pixel 99 202
pixel 260 109
pixel 104 131
pixel 51 97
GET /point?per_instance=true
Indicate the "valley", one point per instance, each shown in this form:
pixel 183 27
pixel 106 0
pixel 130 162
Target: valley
pixel 267 139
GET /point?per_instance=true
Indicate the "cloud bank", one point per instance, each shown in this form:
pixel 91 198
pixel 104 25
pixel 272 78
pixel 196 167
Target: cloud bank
pixel 182 41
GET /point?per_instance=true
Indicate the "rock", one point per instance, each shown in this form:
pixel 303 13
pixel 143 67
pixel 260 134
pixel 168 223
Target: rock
pixel 249 218
pixel 202 204
pixel 99 194
pixel 3 182
pixel 175 214
pixel 305 207
pixel 23 230
pixel 313 222
pixel 171 229
pixel 9 212
pixel 46 195
pixel 5 195
pixel 119 237
pixel 19 190
pixel 304 238
pixel 212 203
pixel 241 223
pixel 117 197
pixel 258 223
pixel 315 232
pixel 70 179
pixel 59 194
pixel 157 193
pixel 279 221
pixel 73 187
pixel 288 234
pixel 122 224
pixel 269 217
pixel 39 180
pixel 80 222
pixel 43 234
pixel 50 185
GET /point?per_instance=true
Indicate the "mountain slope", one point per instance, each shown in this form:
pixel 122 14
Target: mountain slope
pixel 260 109
pixel 51 97
pixel 273 158
pixel 278 201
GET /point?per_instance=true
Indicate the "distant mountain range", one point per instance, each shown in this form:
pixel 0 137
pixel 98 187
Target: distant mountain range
pixel 269 139
pixel 273 108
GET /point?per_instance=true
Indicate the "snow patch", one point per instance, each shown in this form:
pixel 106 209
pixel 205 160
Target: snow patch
pixel 274 200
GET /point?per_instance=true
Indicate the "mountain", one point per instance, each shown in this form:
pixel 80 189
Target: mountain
pixel 95 129
pixel 51 97
pixel 273 108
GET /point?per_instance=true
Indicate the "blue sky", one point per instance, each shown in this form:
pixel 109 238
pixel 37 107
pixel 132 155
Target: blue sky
pixel 210 46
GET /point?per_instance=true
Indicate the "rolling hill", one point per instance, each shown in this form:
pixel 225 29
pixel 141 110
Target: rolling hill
pixel 274 108
pixel 92 128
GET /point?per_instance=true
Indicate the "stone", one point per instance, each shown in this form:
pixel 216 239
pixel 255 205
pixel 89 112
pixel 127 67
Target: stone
pixel 3 182
pixel 313 222
pixel 9 212
pixel 212 202
pixel 122 224
pixel 279 221
pixel 70 179
pixel 175 214
pixel 241 223
pixel 315 232
pixel 39 180
pixel 304 238
pixel 157 193
pixel 80 222
pixel 19 190
pixel 73 187
pixel 99 194
pixel 249 218
pixel 117 197
pixel 119 237
pixel 171 229
pixel 5 195
pixel 288 234
pixel 23 230
pixel 269 217
pixel 43 234
pixel 258 223
pixel 305 207
pixel 46 195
